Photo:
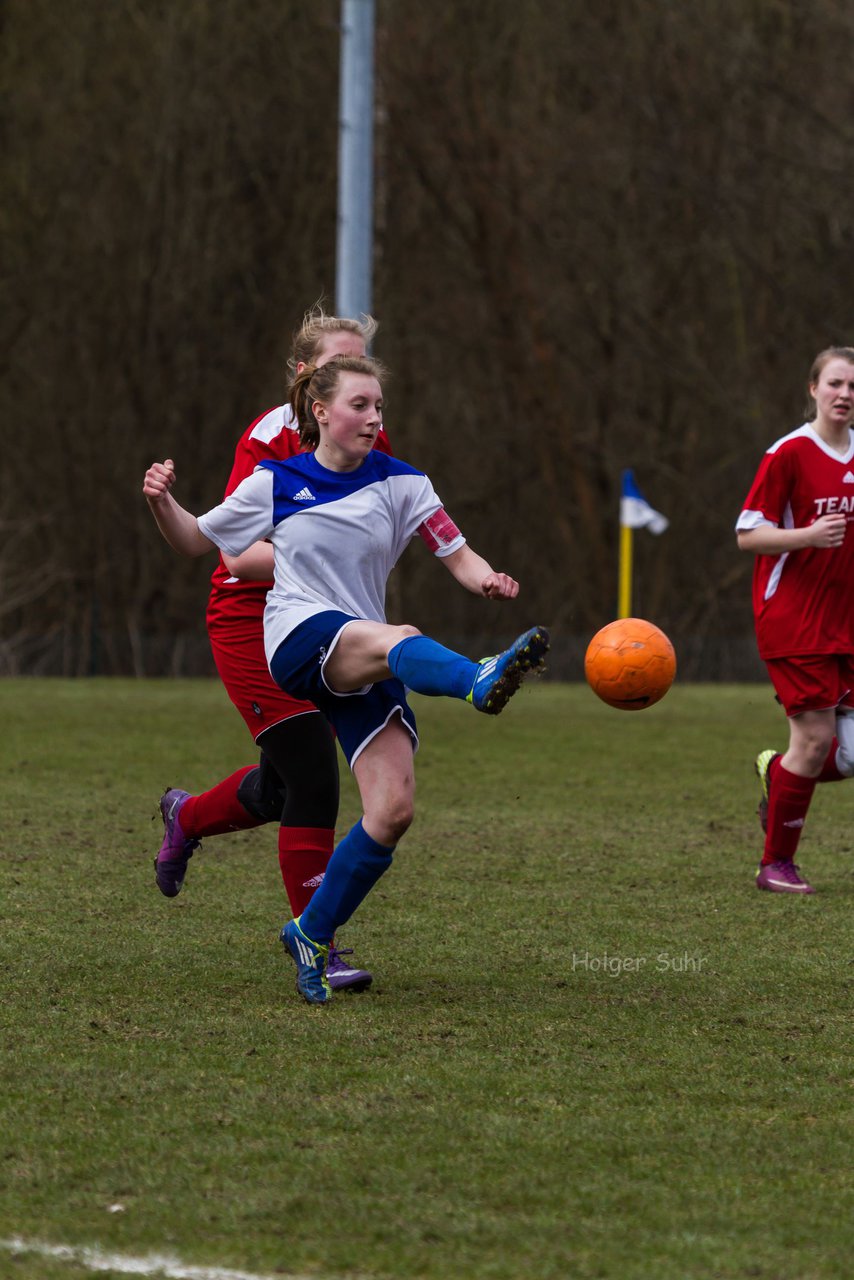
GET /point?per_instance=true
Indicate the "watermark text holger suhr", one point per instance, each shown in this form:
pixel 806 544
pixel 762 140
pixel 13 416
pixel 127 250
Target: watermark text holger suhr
pixel 615 965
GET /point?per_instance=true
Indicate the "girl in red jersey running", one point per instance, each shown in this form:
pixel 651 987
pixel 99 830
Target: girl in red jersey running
pixel 795 521
pixel 296 781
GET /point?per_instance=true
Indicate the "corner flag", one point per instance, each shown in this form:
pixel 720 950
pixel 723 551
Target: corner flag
pixel 635 513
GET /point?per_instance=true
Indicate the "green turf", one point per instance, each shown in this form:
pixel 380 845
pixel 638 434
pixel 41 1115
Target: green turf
pixel 592 1049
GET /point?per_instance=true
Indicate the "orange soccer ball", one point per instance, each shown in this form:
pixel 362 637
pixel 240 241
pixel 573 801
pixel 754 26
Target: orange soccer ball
pixel 630 664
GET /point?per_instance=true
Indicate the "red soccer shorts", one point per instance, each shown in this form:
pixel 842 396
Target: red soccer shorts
pixel 238 651
pixel 816 682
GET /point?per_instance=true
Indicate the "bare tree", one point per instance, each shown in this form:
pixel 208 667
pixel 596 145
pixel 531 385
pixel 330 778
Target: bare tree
pixel 608 236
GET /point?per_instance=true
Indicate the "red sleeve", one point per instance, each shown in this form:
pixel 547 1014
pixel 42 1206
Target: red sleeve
pixel 382 443
pixel 771 488
pixel 258 444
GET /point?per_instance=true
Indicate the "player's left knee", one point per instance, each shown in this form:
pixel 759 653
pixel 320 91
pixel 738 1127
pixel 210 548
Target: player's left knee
pixel 394 821
pixel 404 632
pixel 260 797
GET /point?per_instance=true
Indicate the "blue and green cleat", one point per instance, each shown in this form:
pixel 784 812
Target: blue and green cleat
pixel 762 766
pixel 310 959
pixel 500 677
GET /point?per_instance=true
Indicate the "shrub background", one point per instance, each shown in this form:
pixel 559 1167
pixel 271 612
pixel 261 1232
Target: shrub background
pixel 606 236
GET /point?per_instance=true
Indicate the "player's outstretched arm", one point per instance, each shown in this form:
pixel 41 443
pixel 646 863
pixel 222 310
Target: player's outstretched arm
pixel 179 527
pixel 477 576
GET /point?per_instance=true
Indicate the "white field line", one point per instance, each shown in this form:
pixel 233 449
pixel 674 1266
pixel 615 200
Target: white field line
pixel 154 1265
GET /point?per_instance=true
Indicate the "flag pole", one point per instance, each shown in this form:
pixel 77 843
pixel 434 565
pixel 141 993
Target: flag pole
pixel 624 599
pixel 635 513
pixel 354 242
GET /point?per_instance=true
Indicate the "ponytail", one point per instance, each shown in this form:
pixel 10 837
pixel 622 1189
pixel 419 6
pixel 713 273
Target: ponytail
pixel 301 401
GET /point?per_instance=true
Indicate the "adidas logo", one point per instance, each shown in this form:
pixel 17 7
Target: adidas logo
pixel 848 478
pixel 306 955
pixel 305 495
pixel 315 882
pixel 796 823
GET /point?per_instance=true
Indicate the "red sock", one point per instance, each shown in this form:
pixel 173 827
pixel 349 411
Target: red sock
pixel 829 771
pixel 216 811
pixel 303 855
pixel 788 802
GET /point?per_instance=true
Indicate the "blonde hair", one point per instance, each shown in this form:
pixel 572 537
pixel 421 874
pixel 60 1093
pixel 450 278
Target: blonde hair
pixel 315 384
pixel 823 358
pixel 316 324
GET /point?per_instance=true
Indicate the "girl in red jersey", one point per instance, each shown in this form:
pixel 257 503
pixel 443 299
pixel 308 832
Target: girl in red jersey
pixel 296 781
pixel 795 521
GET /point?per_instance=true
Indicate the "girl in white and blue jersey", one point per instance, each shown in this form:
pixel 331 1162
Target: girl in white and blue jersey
pixel 339 517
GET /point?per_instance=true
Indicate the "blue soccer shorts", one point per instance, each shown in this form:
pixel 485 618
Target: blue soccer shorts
pixel 357 717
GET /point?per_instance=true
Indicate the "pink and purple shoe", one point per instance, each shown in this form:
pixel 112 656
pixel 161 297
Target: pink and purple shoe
pixel 781 877
pixel 170 865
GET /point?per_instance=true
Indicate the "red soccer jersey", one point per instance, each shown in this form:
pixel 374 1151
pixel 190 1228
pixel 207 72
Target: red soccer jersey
pixel 803 601
pixel 272 436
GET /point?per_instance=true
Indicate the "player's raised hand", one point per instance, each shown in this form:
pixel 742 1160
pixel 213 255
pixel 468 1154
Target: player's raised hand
pixel 829 530
pixel 499 586
pixel 159 479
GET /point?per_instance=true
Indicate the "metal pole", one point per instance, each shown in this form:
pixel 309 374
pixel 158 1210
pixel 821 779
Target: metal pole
pixel 354 255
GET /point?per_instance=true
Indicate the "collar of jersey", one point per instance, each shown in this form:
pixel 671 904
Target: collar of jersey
pixel 327 472
pixel 825 448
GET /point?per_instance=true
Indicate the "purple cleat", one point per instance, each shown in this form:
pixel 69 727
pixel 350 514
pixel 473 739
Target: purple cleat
pixel 341 976
pixel 170 865
pixel 781 877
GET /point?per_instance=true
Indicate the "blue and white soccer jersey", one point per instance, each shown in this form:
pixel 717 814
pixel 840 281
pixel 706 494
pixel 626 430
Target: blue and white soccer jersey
pixel 336 536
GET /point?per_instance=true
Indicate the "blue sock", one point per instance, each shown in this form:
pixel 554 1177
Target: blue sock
pixel 353 870
pixel 426 666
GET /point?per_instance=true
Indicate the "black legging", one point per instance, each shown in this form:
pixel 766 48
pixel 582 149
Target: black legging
pixel 296 782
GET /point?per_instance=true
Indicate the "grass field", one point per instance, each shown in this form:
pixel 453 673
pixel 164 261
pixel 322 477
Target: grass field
pixel 592 1049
